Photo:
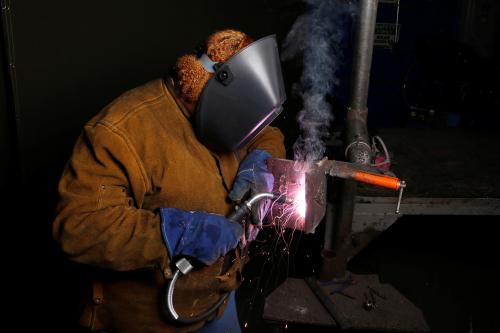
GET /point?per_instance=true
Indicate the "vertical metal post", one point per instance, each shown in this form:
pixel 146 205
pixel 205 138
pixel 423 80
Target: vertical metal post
pixel 358 148
pixel 363 51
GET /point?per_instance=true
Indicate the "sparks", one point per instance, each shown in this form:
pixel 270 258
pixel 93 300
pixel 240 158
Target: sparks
pixel 290 184
pixel 292 215
pixel 300 199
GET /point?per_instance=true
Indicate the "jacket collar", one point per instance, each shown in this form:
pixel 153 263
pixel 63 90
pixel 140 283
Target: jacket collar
pixel 169 83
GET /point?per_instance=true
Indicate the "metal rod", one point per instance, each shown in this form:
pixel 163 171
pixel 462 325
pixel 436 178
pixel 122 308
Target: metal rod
pixel 357 139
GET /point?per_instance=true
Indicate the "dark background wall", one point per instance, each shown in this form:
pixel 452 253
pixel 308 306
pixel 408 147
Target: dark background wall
pixel 5 147
pixel 73 57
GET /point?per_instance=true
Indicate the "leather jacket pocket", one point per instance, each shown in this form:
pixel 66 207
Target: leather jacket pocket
pixel 113 195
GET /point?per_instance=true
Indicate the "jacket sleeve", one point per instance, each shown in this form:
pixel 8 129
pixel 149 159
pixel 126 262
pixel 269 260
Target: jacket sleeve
pixel 98 217
pixel 270 140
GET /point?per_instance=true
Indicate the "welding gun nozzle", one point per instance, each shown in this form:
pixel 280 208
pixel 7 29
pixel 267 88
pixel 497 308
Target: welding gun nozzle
pixel 283 199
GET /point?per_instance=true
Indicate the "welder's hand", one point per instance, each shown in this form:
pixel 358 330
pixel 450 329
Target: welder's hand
pixel 254 177
pixel 199 235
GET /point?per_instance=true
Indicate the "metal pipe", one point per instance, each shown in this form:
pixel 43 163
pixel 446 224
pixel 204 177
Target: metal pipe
pixel 358 149
pixel 363 51
pixel 329 219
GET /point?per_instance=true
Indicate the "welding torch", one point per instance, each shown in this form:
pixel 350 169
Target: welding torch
pixel 240 212
pixel 184 265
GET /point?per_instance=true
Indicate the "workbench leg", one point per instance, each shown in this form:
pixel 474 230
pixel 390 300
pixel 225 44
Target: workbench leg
pixel 278 329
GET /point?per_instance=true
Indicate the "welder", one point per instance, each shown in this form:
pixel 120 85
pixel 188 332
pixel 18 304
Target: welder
pixel 153 176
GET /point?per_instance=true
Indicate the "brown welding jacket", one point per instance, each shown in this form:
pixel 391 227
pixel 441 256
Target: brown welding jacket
pixel 137 155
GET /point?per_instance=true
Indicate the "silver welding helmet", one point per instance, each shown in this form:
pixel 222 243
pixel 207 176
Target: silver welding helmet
pixel 245 95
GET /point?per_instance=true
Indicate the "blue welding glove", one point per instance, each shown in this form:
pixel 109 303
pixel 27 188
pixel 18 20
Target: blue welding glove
pixel 199 235
pixel 254 177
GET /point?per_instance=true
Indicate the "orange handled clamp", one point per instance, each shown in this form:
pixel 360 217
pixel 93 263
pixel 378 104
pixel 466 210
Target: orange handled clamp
pixel 363 174
pixel 389 182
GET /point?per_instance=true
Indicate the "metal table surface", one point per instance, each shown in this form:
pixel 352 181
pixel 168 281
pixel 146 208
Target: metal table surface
pixel 447 172
pixel 294 302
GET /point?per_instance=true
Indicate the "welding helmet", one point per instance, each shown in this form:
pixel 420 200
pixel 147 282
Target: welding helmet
pixel 245 94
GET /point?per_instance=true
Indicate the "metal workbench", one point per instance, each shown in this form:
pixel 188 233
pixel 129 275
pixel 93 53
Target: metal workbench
pixel 448 172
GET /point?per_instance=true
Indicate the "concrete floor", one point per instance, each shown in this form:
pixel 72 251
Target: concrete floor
pixel 447 266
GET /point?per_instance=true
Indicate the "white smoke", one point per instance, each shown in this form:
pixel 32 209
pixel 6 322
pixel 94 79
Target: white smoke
pixel 316 36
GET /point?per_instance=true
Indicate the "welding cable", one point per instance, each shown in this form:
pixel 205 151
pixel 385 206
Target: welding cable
pixel 384 147
pixel 184 266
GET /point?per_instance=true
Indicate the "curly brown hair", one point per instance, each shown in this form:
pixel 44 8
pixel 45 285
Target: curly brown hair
pixel 191 76
pixel 221 45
